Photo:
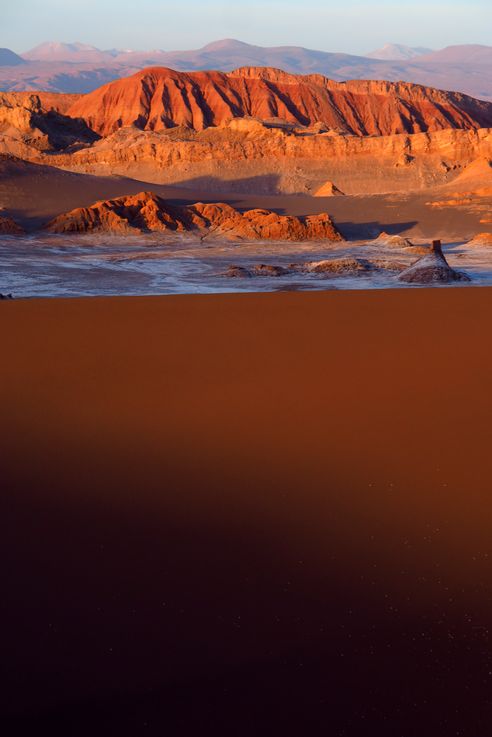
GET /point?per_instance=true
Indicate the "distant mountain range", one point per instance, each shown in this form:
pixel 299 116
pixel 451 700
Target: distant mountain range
pixel 8 58
pixel 80 68
pixel 398 52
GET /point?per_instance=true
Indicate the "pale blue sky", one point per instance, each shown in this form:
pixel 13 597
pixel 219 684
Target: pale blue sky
pixel 353 26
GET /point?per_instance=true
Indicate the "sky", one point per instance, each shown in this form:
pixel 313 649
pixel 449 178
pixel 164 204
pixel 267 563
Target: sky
pixel 351 26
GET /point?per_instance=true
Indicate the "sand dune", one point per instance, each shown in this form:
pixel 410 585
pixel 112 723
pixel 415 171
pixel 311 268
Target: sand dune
pixel 247 510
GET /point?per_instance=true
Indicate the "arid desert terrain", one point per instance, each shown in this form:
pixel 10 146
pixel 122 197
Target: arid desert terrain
pixel 170 181
pixel 245 398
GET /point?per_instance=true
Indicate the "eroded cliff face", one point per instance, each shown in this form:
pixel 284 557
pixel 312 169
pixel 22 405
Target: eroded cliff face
pixel 158 98
pixel 31 122
pixel 18 108
pixel 266 161
pixel 146 212
pixel 254 151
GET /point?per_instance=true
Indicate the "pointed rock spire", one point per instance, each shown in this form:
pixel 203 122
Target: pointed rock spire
pixel 432 269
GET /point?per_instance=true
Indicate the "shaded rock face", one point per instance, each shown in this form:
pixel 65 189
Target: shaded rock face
pixel 39 121
pixel 432 269
pixel 158 98
pixel 146 212
pixel 9 226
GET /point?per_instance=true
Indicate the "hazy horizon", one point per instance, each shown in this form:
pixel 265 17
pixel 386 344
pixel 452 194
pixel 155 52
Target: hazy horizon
pixel 357 27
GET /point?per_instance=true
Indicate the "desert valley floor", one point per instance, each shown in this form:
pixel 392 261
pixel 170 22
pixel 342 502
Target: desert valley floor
pixel 64 267
pixel 44 264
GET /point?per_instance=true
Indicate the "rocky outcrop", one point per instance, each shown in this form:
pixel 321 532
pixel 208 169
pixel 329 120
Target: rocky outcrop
pixel 158 98
pixel 8 226
pixel 237 272
pixel 270 161
pixel 141 213
pixel 432 269
pixel 262 224
pixel 392 241
pixel 385 240
pixel 338 266
pixel 146 212
pixel 344 266
pixel 349 266
pixel 37 121
pixel 328 189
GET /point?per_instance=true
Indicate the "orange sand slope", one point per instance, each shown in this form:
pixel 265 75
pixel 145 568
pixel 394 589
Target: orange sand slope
pixel 257 509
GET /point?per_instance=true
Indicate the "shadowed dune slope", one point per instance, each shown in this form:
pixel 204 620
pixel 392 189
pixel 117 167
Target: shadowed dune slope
pixel 226 511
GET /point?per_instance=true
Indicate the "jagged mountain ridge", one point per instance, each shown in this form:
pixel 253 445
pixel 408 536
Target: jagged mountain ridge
pixel 146 212
pixel 158 98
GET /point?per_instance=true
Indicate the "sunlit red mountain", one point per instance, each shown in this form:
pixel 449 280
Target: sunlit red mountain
pixel 159 98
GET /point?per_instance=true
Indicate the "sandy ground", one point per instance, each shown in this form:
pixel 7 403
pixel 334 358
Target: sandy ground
pixel 34 194
pixel 226 511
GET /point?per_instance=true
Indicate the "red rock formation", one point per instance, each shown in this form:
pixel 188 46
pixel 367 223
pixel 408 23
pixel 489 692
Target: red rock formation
pixel 158 98
pixel 246 155
pixel 266 161
pixel 145 212
pixel 38 120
